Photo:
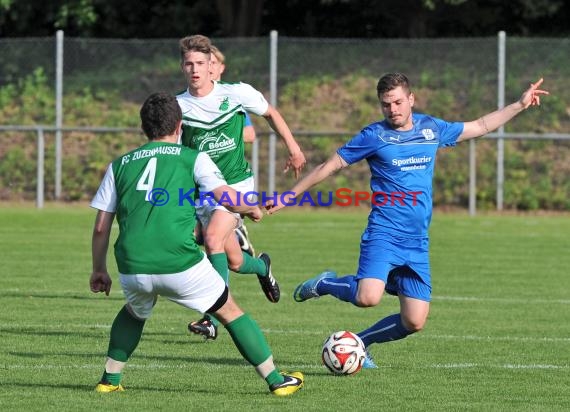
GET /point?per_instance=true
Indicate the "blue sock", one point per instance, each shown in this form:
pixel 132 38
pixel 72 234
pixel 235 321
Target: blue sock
pixel 341 288
pixel 388 329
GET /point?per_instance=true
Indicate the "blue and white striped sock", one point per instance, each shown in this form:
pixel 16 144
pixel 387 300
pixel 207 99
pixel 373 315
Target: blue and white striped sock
pixel 341 288
pixel 388 329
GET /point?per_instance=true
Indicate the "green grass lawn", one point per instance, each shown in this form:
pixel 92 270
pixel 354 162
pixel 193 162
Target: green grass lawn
pixel 497 337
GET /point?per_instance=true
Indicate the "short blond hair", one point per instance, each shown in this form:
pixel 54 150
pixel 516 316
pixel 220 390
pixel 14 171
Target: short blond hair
pixel 219 55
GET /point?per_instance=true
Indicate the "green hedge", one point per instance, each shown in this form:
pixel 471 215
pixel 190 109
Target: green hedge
pixel 535 171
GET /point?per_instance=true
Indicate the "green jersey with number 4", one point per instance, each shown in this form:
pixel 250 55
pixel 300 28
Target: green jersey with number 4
pixel 214 124
pixel 152 191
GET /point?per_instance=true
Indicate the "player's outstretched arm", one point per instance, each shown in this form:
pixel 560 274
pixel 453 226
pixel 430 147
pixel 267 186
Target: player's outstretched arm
pixel 296 159
pixel 496 119
pixel 207 175
pixel 100 281
pixel 317 175
pixel 235 202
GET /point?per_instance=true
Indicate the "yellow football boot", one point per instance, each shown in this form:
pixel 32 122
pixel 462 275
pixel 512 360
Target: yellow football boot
pixel 104 387
pixel 293 382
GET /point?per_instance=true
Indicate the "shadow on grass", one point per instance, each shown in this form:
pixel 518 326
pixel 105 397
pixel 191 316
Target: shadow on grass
pixel 194 358
pixel 183 338
pixel 133 389
pixel 41 295
pixel 41 332
pixel 91 388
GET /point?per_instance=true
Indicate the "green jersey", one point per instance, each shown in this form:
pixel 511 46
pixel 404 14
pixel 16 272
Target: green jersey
pixel 151 191
pixel 214 124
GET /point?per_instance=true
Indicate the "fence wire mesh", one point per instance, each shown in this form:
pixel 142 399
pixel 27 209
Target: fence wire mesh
pixel 326 90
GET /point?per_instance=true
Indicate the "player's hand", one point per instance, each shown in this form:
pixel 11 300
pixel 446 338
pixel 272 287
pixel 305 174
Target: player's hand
pixel 276 204
pixel 531 97
pixel 296 161
pixel 256 214
pixel 100 282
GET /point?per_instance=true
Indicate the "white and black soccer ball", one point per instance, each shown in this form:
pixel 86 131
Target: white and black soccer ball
pixel 343 353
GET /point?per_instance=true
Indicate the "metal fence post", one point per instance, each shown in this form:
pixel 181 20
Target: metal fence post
pixel 58 111
pixel 501 130
pixel 472 178
pixel 40 169
pixel 273 101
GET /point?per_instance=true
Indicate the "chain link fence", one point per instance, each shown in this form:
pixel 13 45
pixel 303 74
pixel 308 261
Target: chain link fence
pixel 326 90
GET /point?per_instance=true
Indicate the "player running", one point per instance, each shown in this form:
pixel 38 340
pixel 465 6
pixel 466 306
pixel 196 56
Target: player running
pixel 213 121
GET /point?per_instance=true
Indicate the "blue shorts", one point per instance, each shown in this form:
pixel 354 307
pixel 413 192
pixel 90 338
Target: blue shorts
pixel 402 263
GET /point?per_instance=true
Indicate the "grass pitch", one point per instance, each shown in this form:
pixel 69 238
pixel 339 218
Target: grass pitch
pixel 497 337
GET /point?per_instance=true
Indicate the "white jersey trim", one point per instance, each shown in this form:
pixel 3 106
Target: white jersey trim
pixel 106 197
pixel 203 111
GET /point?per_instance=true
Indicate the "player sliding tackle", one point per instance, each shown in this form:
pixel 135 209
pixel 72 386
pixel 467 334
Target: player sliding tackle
pixel 394 245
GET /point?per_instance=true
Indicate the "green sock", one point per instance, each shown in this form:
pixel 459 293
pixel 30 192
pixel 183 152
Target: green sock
pixel 252 265
pixel 125 335
pixel 252 345
pixel 220 262
pixel 112 378
pixel 274 378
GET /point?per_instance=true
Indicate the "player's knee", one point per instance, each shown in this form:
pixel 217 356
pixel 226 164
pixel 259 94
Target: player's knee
pixel 413 324
pixel 228 312
pixel 366 300
pixel 213 242
pixel 235 265
pixel 135 315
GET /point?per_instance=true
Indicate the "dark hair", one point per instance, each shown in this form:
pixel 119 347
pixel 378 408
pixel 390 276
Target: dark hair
pixel 160 115
pixel 195 43
pixel 390 81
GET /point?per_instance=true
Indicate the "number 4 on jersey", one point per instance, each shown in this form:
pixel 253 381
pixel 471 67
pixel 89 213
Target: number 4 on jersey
pixel 146 182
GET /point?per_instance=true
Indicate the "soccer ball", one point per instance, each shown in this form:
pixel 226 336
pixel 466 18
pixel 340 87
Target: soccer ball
pixel 343 353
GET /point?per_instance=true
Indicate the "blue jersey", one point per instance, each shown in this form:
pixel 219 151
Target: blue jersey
pixel 401 165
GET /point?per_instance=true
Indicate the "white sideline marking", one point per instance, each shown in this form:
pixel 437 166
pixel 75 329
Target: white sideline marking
pixel 496 338
pixel 442 337
pixel 505 366
pixel 502 300
pixel 312 366
pixel 15 327
pixel 75 293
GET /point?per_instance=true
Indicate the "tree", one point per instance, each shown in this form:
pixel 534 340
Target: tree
pixel 300 18
pixel 415 18
pixel 240 18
